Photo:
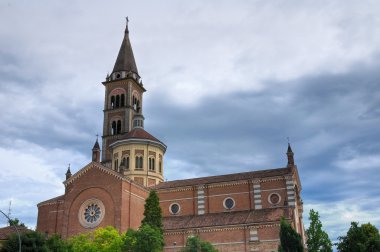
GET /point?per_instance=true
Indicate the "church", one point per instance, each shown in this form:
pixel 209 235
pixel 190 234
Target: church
pixel 234 212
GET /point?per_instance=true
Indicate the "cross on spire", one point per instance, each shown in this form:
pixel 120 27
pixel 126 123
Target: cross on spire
pixel 126 27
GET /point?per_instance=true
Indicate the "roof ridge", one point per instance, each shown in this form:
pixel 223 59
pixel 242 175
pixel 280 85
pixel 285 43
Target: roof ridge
pixel 221 178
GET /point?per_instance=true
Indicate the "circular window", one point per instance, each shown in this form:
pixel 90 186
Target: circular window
pixel 118 76
pixel 174 208
pixel 91 213
pixel 229 203
pixel 274 198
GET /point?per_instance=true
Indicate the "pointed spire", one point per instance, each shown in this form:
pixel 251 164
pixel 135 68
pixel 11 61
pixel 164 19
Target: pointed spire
pixel 96 151
pixel 290 155
pixel 96 145
pixel 68 173
pixel 289 149
pixel 125 60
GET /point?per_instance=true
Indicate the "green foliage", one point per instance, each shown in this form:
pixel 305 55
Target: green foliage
pixel 365 238
pixel 81 243
pixel 152 212
pixel 195 244
pixel 31 242
pixel 290 240
pixel 15 222
pixel 146 239
pixel 130 240
pixel 56 244
pixel 317 239
pixel 101 240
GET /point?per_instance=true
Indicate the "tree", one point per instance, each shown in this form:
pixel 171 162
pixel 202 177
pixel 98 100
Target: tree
pixel 290 240
pixel 130 240
pixel 195 244
pixel 31 241
pixel 148 239
pixel 55 244
pixel 152 212
pixel 362 238
pixel 101 240
pixel 15 222
pixel 317 239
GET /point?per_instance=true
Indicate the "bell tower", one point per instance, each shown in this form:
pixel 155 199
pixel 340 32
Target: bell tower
pixel 123 98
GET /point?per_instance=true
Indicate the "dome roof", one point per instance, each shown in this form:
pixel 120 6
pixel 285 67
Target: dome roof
pixel 139 134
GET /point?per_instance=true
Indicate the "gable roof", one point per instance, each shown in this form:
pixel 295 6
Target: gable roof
pixel 52 201
pixel 5 232
pixel 102 168
pixel 223 178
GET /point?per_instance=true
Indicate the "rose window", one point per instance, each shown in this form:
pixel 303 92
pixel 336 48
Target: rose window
pixel 274 198
pixel 91 213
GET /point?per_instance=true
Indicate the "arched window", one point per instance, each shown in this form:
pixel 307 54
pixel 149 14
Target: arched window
pixel 139 162
pixel 151 163
pixel 117 101
pixel 124 163
pixel 118 127
pixel 138 106
pixel 127 163
pixel 113 130
pixel 122 100
pixel 136 103
pixel 112 102
pixel 160 166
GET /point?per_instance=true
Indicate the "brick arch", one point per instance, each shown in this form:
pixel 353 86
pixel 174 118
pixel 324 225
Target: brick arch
pixel 117 91
pixel 73 225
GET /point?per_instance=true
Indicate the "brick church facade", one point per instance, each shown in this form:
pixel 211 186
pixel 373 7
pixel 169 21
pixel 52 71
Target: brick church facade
pixel 235 212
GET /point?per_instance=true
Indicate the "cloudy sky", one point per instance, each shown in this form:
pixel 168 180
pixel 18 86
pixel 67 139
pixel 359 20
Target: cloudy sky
pixel 227 81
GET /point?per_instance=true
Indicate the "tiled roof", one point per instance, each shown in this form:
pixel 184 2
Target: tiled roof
pixel 140 133
pixel 223 178
pixel 7 231
pixel 262 216
pixel 53 200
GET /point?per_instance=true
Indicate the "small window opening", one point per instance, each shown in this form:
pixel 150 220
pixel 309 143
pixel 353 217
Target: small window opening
pixel 118 127
pixel 117 101
pixel 112 102
pixel 122 100
pixel 113 129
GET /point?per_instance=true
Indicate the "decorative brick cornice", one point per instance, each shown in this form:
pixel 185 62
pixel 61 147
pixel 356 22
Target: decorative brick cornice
pixel 95 165
pixel 178 189
pixel 272 179
pixel 222 228
pixel 225 184
pixel 53 201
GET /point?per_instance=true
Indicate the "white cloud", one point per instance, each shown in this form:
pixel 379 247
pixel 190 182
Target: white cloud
pixel 30 174
pixel 352 160
pixel 337 216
